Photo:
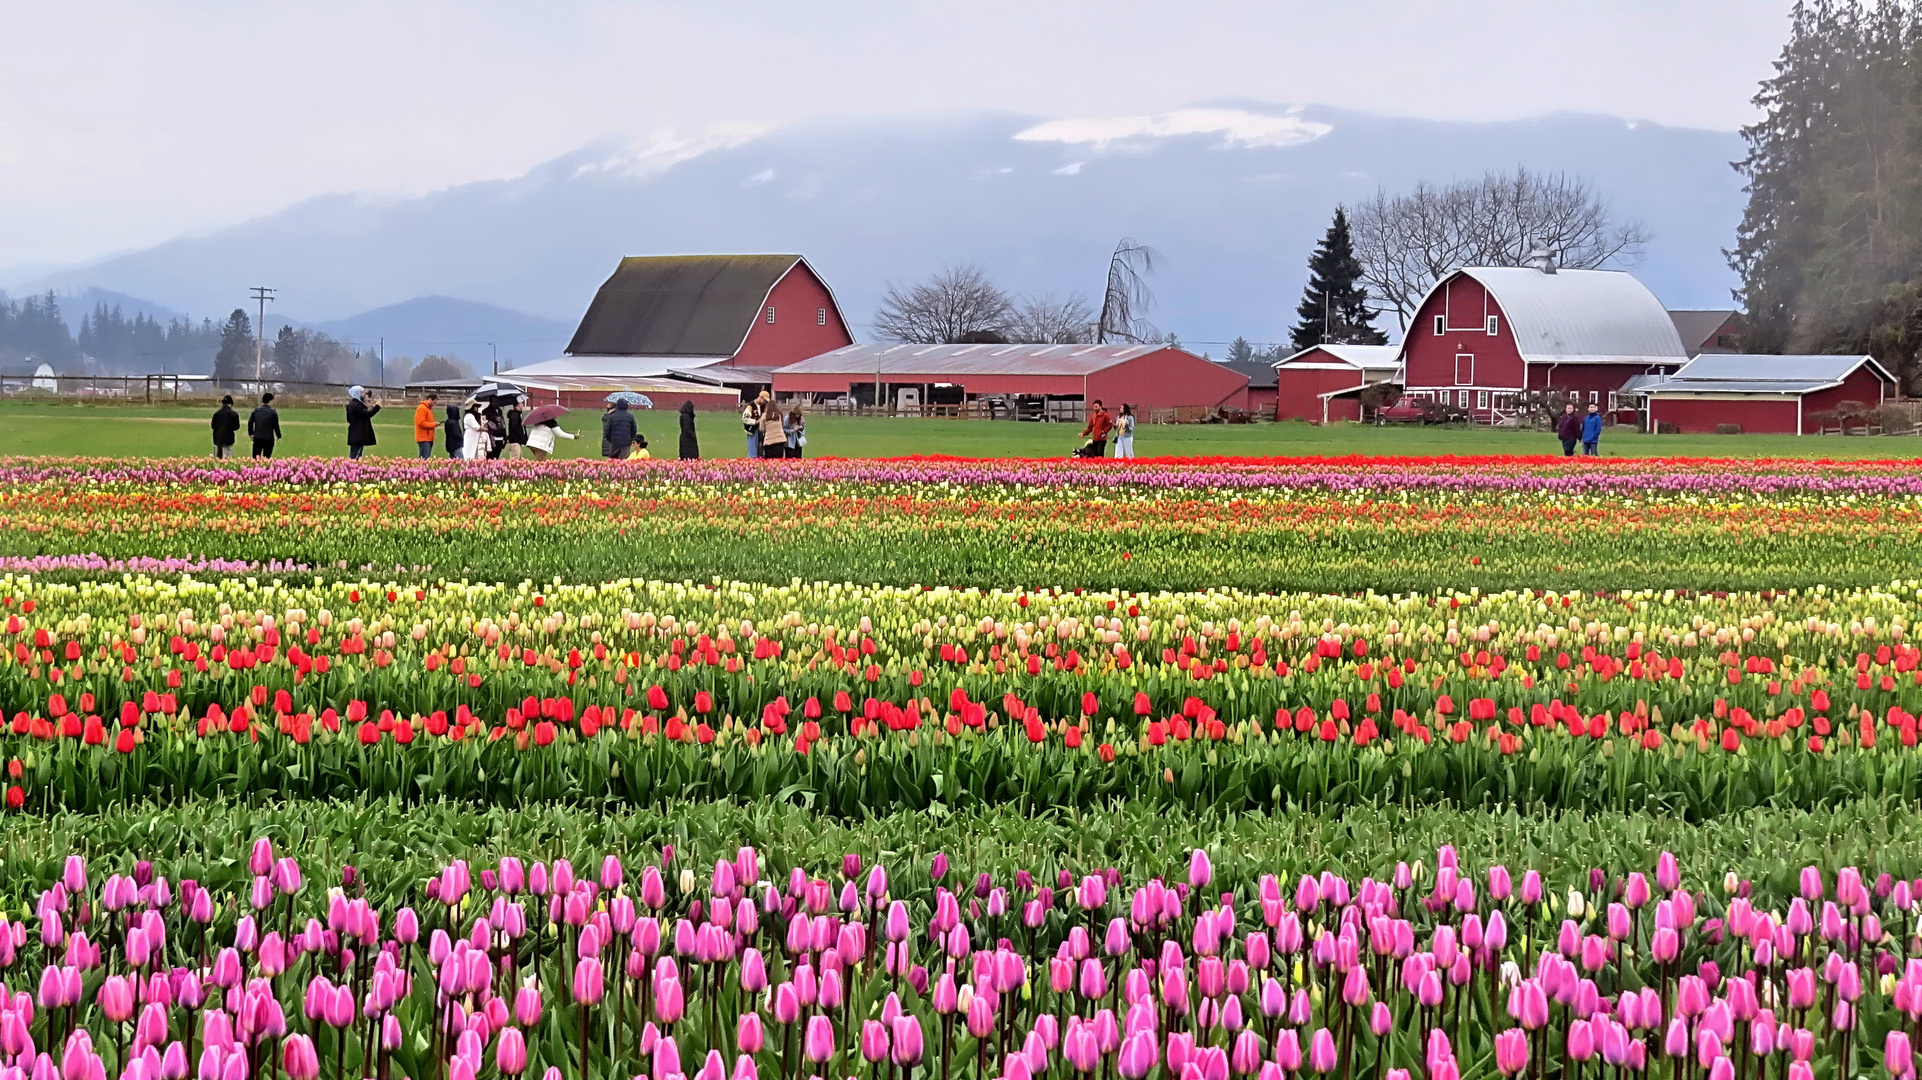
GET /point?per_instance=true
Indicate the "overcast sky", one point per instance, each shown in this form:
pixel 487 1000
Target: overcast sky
pixel 126 122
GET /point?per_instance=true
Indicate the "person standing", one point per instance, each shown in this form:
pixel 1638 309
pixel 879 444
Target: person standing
pixel 690 446
pixel 226 422
pixel 617 432
pixel 1096 431
pixel 1592 431
pixel 773 434
pixel 263 427
pixel 540 439
pixel 751 421
pixel 1568 428
pixel 455 438
pixel 795 429
pixel 473 433
pixel 1124 433
pixel 424 425
pixel 516 430
pixel 360 421
pixel 496 426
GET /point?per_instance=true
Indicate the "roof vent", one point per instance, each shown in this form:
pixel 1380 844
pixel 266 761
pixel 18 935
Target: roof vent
pixel 1541 259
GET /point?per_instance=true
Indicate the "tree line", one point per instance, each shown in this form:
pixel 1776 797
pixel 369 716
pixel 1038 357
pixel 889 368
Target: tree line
pixel 1830 247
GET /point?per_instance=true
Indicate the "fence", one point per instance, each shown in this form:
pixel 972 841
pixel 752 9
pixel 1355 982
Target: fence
pixel 166 389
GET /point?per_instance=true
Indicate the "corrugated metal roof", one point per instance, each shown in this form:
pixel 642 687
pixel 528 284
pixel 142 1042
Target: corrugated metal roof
pixel 1769 368
pixel 969 359
pixel 1581 316
pixel 1366 357
pixel 1696 327
pixel 1743 373
pixel 608 367
pixel 679 305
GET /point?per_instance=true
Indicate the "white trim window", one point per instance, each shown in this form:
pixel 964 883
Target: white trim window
pixel 1494 325
pixel 770 314
pixel 1441 325
pixel 1461 399
pixel 1481 400
pixel 820 316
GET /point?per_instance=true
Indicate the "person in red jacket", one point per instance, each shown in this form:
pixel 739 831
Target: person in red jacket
pixel 1096 432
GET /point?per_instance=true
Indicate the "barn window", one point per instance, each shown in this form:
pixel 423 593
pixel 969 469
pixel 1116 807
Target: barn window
pixel 1441 325
pixel 1481 399
pixel 820 316
pixel 1494 325
pixel 1462 399
pixel 1594 397
pixel 770 314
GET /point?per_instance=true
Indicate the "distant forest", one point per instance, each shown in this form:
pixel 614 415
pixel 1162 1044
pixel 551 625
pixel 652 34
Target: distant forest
pixel 1830 249
pixel 35 331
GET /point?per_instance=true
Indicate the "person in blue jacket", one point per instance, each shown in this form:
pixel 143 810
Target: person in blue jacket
pixel 1592 431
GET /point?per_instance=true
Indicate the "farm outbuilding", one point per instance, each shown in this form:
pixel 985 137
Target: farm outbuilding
pixel 1486 338
pixel 1322 382
pixel 692 327
pixel 1785 395
pixel 1261 383
pixel 1038 381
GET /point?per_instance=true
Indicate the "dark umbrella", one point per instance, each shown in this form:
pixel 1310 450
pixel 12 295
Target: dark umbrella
pixel 541 414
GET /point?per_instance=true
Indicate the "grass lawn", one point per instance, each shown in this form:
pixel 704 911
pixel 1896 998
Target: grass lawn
pixel 40 428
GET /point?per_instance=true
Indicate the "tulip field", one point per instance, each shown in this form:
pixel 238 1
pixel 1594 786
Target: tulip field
pixel 1377 769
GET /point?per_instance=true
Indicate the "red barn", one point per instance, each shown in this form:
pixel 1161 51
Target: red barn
pixel 1485 335
pixel 1029 380
pixel 733 319
pixel 1319 383
pixel 1773 394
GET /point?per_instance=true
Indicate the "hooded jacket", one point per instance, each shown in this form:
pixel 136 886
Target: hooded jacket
pixel 690 446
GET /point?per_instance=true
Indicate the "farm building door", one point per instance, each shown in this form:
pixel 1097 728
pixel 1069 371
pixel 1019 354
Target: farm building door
pixel 1464 369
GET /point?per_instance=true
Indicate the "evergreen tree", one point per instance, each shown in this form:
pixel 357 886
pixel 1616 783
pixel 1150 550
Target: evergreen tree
pixel 287 346
pixel 1334 307
pixel 1240 351
pixel 234 358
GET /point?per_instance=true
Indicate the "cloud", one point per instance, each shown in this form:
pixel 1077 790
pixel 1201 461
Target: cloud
pixel 1237 127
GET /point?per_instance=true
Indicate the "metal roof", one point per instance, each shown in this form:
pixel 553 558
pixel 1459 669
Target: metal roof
pixel 1747 373
pixel 608 367
pixel 1260 373
pixel 1696 327
pixel 1580 316
pixel 679 305
pixel 1366 357
pixel 970 359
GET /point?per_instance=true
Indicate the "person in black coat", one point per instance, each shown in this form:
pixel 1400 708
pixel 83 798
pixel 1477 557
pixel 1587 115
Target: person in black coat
pixel 452 428
pixel 226 423
pixel 263 427
pixel 360 421
pixel 690 446
pixel 516 430
pixel 617 432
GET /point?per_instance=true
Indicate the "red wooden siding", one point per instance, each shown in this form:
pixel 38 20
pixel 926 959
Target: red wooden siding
pixel 1431 358
pixel 1299 389
pixel 1863 385
pixel 1700 415
pixel 1167 379
pixel 797 331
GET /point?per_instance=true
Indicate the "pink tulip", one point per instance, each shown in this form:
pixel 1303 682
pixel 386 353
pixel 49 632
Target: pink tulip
pixel 1511 1051
pixel 1321 1051
pixel 817 1044
pixel 510 1052
pixel 298 1058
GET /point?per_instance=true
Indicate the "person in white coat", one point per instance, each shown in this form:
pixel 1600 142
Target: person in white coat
pixel 540 439
pixel 474 440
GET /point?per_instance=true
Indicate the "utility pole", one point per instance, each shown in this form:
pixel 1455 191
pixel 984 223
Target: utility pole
pixel 262 294
pixel 496 354
pixel 383 367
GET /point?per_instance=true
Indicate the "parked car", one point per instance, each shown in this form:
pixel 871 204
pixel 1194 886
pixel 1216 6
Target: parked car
pixel 1405 411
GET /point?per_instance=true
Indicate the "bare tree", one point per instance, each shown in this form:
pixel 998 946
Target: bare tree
pixel 1127 296
pixel 306 356
pixel 959 302
pixel 1043 319
pixel 1410 241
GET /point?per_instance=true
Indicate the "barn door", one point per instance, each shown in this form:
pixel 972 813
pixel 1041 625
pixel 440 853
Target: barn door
pixel 1464 369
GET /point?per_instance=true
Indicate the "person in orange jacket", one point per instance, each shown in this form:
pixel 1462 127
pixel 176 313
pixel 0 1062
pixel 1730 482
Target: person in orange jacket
pixel 424 425
pixel 1096 432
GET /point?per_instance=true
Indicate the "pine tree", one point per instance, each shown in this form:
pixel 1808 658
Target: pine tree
pixel 236 348
pixel 1240 351
pixel 1334 307
pixel 287 360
